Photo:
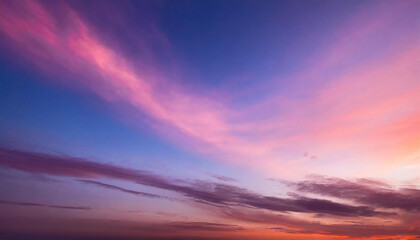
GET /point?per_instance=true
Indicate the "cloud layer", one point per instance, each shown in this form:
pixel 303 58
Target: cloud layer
pixel 228 200
pixel 208 192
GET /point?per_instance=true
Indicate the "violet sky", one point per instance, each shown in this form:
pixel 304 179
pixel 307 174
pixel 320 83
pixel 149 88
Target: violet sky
pixel 210 119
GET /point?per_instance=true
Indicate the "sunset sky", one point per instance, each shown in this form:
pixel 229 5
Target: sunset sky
pixel 210 119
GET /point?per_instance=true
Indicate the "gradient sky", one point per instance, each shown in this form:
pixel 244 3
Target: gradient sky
pixel 210 119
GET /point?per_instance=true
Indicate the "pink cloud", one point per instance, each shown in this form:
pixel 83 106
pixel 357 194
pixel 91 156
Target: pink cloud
pixel 350 111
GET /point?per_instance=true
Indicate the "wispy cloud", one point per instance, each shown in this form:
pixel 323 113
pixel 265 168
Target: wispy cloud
pixel 204 226
pixel 407 199
pixel 30 204
pixel 205 192
pixel 113 187
pixel 333 114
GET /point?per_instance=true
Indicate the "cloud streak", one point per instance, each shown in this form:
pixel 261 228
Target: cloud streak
pixel 113 187
pixel 206 192
pixel 407 199
pixel 29 204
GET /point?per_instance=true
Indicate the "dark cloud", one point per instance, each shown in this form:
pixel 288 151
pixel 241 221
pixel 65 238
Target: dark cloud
pixel 227 194
pixel 61 165
pixel 43 205
pixel 201 191
pixel 363 191
pixel 204 226
pixel 113 187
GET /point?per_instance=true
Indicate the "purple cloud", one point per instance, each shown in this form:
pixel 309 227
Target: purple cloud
pixel 200 191
pixel 204 226
pixel 44 205
pixel 372 193
pixel 113 187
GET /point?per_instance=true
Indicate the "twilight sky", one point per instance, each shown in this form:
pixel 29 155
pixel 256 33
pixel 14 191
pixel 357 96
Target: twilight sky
pixel 210 119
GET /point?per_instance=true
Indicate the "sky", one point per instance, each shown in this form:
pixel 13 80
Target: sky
pixel 184 119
